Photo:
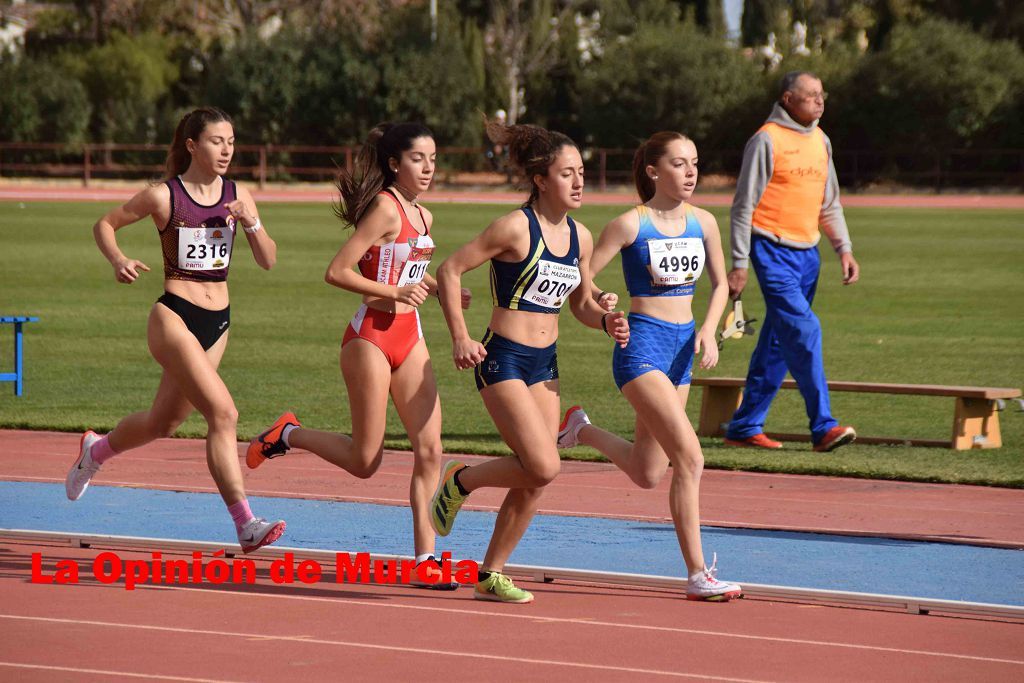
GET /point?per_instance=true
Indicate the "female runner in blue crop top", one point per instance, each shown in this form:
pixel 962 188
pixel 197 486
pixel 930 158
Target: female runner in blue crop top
pixel 665 244
pixel 539 260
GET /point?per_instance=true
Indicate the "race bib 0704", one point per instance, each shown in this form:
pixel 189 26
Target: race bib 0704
pixel 676 261
pixel 553 284
pixel 204 248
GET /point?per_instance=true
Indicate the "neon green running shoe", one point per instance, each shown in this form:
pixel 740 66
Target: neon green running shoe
pixel 499 588
pixel 447 499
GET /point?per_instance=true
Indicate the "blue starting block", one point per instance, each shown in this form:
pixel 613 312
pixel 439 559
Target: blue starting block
pixel 16 376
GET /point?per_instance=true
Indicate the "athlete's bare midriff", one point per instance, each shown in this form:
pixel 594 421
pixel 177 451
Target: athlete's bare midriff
pixel 209 295
pixel 530 328
pixel 673 309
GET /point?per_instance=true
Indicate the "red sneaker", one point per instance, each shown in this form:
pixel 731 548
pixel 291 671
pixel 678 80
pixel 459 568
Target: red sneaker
pixel 755 441
pixel 270 443
pixel 836 437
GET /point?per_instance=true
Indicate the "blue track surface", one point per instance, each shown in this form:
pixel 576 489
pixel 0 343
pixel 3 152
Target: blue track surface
pixel 870 565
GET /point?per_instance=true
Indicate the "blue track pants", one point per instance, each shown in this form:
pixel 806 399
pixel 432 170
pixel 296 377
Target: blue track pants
pixel 790 339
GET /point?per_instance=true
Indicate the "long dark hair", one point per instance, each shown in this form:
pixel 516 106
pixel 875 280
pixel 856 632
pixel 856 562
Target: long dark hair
pixel 531 149
pixel 648 154
pixel 190 127
pixel 372 173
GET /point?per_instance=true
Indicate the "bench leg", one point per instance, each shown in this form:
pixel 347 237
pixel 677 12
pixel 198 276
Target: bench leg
pixel 717 407
pixel 17 360
pixel 976 424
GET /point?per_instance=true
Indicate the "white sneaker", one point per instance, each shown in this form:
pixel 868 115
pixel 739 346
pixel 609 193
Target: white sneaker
pixel 572 423
pixel 704 586
pixel 258 532
pixel 81 472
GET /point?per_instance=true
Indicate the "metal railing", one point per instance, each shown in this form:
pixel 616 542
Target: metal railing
pixel 1002 168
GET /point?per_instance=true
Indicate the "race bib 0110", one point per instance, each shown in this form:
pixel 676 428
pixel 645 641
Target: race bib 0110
pixel 415 267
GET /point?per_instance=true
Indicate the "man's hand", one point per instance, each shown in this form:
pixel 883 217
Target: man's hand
pixel 851 269
pixel 737 279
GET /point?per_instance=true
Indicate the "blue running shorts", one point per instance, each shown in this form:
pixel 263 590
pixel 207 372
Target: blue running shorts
pixel 507 359
pixel 655 345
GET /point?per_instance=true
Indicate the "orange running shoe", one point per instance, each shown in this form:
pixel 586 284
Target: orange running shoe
pixel 834 438
pixel 755 441
pixel 270 443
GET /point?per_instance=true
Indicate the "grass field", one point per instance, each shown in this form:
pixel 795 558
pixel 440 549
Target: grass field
pixel 935 306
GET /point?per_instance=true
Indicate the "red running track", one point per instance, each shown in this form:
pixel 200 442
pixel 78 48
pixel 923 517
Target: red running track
pixel 965 514
pixel 325 193
pixel 573 632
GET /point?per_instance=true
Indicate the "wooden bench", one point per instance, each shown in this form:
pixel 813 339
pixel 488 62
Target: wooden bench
pixel 16 376
pixel 975 417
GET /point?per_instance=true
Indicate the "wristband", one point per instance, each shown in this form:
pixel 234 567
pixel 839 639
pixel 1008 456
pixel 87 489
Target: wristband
pixel 256 227
pixel 604 323
pixel 601 294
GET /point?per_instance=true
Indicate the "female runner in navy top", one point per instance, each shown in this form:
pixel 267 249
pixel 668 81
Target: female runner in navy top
pixel 197 212
pixel 665 243
pixel 539 260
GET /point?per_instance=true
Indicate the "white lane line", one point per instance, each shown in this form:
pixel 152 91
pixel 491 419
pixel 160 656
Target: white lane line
pixel 106 672
pixel 592 622
pixel 372 646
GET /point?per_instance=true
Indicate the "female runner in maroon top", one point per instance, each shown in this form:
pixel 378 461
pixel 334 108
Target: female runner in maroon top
pixel 197 212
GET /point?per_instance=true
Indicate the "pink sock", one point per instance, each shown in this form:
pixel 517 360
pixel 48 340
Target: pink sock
pixel 101 450
pixel 240 513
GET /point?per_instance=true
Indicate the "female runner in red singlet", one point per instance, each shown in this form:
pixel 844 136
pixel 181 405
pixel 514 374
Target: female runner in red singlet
pixel 383 351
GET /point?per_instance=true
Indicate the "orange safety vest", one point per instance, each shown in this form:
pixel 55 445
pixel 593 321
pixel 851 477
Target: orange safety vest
pixel 792 200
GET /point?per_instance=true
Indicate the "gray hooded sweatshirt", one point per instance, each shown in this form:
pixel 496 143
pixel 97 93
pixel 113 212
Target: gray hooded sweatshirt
pixel 754 176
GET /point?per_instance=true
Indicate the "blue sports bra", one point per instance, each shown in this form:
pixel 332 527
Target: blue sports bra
pixel 658 265
pixel 542 282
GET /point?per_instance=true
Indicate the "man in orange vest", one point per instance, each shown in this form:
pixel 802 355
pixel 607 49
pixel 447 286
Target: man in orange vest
pixel 788 188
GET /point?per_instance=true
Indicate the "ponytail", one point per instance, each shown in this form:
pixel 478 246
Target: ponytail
pixel 372 171
pixel 190 127
pixel 648 154
pixel 531 149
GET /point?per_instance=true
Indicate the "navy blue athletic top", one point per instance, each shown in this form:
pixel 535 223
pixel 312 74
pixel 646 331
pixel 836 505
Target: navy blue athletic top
pixel 542 281
pixel 676 264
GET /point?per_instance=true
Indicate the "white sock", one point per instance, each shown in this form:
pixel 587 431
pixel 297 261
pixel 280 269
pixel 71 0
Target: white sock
pixel 285 432
pixel 424 557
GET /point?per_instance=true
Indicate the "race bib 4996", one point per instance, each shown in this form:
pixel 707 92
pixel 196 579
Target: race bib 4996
pixel 676 261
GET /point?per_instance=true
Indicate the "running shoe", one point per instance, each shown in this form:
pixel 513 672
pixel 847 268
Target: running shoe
pixel 499 588
pixel 432 569
pixel 704 586
pixel 834 438
pixel 572 423
pixel 81 472
pixel 258 532
pixel 755 441
pixel 447 499
pixel 270 444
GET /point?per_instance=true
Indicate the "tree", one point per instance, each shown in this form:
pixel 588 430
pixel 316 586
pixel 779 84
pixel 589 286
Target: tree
pixel 126 78
pixel 521 40
pixel 899 98
pixel 760 18
pixel 665 77
pixel 28 113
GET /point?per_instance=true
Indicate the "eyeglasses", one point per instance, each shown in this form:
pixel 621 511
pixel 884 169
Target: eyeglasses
pixel 812 95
